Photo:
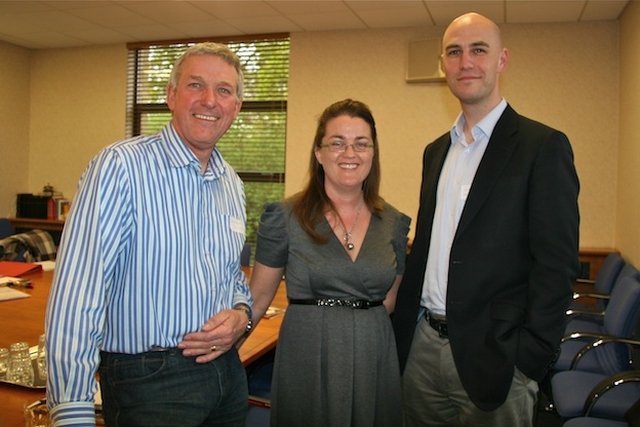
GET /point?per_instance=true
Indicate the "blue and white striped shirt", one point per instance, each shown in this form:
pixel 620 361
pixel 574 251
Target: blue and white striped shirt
pixel 150 251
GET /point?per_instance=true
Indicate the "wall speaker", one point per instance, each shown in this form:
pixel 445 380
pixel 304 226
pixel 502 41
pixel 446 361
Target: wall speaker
pixel 423 61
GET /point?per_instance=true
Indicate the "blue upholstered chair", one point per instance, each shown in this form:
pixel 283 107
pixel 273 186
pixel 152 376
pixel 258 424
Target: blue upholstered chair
pixel 620 321
pixel 583 320
pixel 632 420
pixel 602 285
pixel 6 228
pixel 586 394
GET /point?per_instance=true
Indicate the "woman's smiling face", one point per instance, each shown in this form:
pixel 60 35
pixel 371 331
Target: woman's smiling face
pixel 348 169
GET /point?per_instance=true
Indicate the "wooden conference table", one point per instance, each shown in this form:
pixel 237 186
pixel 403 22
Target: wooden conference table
pixel 23 320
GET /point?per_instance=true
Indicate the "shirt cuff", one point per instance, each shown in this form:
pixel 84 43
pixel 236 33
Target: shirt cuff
pixel 74 414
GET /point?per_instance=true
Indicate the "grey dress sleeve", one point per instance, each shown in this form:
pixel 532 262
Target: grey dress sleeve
pixel 401 241
pixel 273 238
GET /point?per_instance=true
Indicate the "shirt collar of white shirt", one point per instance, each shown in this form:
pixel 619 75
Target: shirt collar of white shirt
pixel 483 129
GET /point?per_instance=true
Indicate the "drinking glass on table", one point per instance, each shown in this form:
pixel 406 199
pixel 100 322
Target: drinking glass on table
pixel 42 358
pixel 4 360
pixel 37 415
pixel 20 368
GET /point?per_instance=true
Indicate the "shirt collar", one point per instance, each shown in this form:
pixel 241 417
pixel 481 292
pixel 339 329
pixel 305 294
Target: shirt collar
pixel 484 128
pixel 181 156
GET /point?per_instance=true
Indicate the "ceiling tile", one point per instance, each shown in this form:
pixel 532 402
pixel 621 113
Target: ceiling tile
pixel 209 28
pixel 236 9
pixel 443 12
pixel 151 32
pixel 56 20
pixel 603 10
pixel 112 16
pixel 262 25
pixel 167 11
pixel 323 21
pixel 52 39
pixel 73 4
pixel 519 11
pixel 100 36
pixel 390 18
pixel 309 7
pixel 23 6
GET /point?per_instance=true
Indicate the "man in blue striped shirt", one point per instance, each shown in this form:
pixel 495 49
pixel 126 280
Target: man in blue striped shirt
pixel 148 291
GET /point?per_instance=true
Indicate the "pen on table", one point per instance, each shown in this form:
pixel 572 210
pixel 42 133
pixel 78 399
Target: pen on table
pixel 20 284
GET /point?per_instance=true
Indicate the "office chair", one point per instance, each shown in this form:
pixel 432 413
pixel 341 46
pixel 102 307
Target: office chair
pixel 585 394
pixel 632 418
pixel 620 321
pixel 584 319
pixel 602 285
pixel 6 228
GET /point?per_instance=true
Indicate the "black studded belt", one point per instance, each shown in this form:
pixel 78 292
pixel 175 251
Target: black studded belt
pixel 437 324
pixel 334 302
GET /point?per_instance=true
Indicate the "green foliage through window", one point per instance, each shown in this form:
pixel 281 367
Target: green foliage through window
pixel 255 144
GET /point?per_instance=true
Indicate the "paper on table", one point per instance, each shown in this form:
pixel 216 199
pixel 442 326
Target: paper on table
pixel 273 312
pixel 7 293
pixel 46 265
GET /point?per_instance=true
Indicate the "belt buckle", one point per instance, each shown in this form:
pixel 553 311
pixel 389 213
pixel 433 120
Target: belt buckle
pixel 438 325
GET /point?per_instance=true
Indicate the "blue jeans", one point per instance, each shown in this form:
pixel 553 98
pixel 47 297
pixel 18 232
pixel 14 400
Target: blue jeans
pixel 165 388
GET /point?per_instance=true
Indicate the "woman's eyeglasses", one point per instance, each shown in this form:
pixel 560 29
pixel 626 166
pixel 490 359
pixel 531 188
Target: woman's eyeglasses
pixel 341 147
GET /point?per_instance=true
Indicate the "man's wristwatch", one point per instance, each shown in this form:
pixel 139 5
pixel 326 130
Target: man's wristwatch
pixel 247 310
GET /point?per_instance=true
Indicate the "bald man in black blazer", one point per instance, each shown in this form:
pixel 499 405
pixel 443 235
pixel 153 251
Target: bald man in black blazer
pixel 480 311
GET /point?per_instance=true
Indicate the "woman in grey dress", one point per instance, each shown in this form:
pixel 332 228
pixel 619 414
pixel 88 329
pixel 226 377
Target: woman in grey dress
pixel 342 249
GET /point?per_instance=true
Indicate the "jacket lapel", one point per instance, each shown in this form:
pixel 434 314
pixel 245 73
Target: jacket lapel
pixel 501 145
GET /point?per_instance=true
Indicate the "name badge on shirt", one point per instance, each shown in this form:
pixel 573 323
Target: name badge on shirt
pixel 236 225
pixel 464 192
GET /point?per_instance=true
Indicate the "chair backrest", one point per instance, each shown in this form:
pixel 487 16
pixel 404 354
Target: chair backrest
pixel 628 270
pixel 608 273
pixel 620 319
pixel 6 228
pixel 623 311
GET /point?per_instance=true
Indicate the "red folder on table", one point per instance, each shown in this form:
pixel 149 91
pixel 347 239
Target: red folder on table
pixel 17 269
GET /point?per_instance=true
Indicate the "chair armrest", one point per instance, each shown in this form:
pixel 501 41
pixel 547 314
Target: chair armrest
pixel 587 281
pixel 573 312
pixel 578 335
pixel 577 295
pixel 604 339
pixel 607 384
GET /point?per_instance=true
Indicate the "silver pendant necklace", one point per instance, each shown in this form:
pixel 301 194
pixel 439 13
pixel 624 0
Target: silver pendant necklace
pixel 346 235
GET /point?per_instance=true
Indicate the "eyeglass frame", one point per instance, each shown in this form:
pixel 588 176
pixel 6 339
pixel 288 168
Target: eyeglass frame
pixel 357 147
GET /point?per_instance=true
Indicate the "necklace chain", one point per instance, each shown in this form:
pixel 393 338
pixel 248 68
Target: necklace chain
pixel 346 235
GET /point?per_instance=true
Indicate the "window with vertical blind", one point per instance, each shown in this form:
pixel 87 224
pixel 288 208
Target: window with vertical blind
pixel 255 143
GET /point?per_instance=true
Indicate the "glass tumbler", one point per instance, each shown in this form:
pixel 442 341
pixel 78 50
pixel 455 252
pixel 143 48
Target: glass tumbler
pixel 37 415
pixel 19 368
pixel 42 358
pixel 4 360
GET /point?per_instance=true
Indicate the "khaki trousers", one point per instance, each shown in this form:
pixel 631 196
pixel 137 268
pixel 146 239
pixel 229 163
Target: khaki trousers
pixel 433 394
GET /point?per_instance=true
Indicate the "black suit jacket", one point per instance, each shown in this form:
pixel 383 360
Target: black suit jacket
pixel 513 261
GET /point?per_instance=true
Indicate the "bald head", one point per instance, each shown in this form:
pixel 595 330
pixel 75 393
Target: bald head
pixel 476 22
pixel 472 60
